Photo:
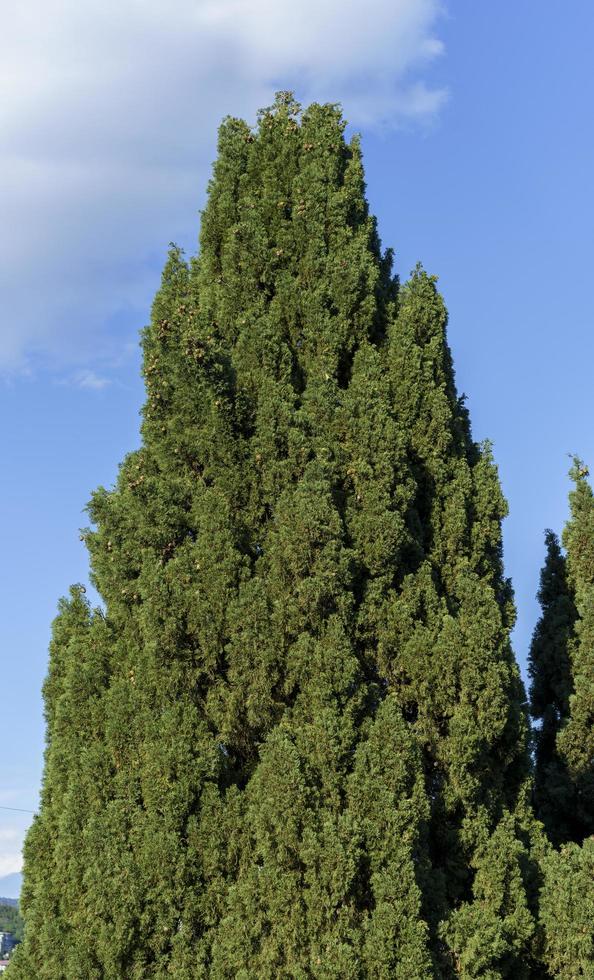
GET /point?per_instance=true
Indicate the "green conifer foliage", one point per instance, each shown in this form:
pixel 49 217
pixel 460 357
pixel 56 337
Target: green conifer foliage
pixel 58 851
pixel 305 721
pixel 567 909
pixel 551 687
pixel 443 645
pixel 293 370
pixel 562 666
pixel 491 934
pixel 576 739
pixel 387 792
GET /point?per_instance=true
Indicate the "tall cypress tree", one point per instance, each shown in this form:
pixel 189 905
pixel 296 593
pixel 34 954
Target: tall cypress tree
pixel 311 727
pixel 551 687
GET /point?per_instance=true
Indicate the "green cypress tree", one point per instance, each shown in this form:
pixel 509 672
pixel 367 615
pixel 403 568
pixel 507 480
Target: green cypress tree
pixel 576 739
pixel 551 687
pixel 311 728
pixel 562 695
pixel 229 585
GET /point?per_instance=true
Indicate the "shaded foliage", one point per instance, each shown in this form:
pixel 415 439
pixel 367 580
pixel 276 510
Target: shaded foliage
pixel 551 687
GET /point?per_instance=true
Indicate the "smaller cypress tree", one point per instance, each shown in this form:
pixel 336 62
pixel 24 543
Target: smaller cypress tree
pixel 576 740
pixel 562 669
pixel 550 672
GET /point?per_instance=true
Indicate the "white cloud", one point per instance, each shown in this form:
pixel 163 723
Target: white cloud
pixel 108 117
pixel 90 380
pixel 11 845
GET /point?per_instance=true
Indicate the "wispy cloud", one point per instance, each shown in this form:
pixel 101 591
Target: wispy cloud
pixel 90 380
pixel 108 116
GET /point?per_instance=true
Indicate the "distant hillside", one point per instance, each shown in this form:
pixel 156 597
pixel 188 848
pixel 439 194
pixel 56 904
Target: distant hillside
pixel 9 901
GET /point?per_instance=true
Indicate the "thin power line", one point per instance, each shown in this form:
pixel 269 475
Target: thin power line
pixel 16 809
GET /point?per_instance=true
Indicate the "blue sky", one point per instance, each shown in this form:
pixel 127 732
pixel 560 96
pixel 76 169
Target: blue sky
pixel 479 151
